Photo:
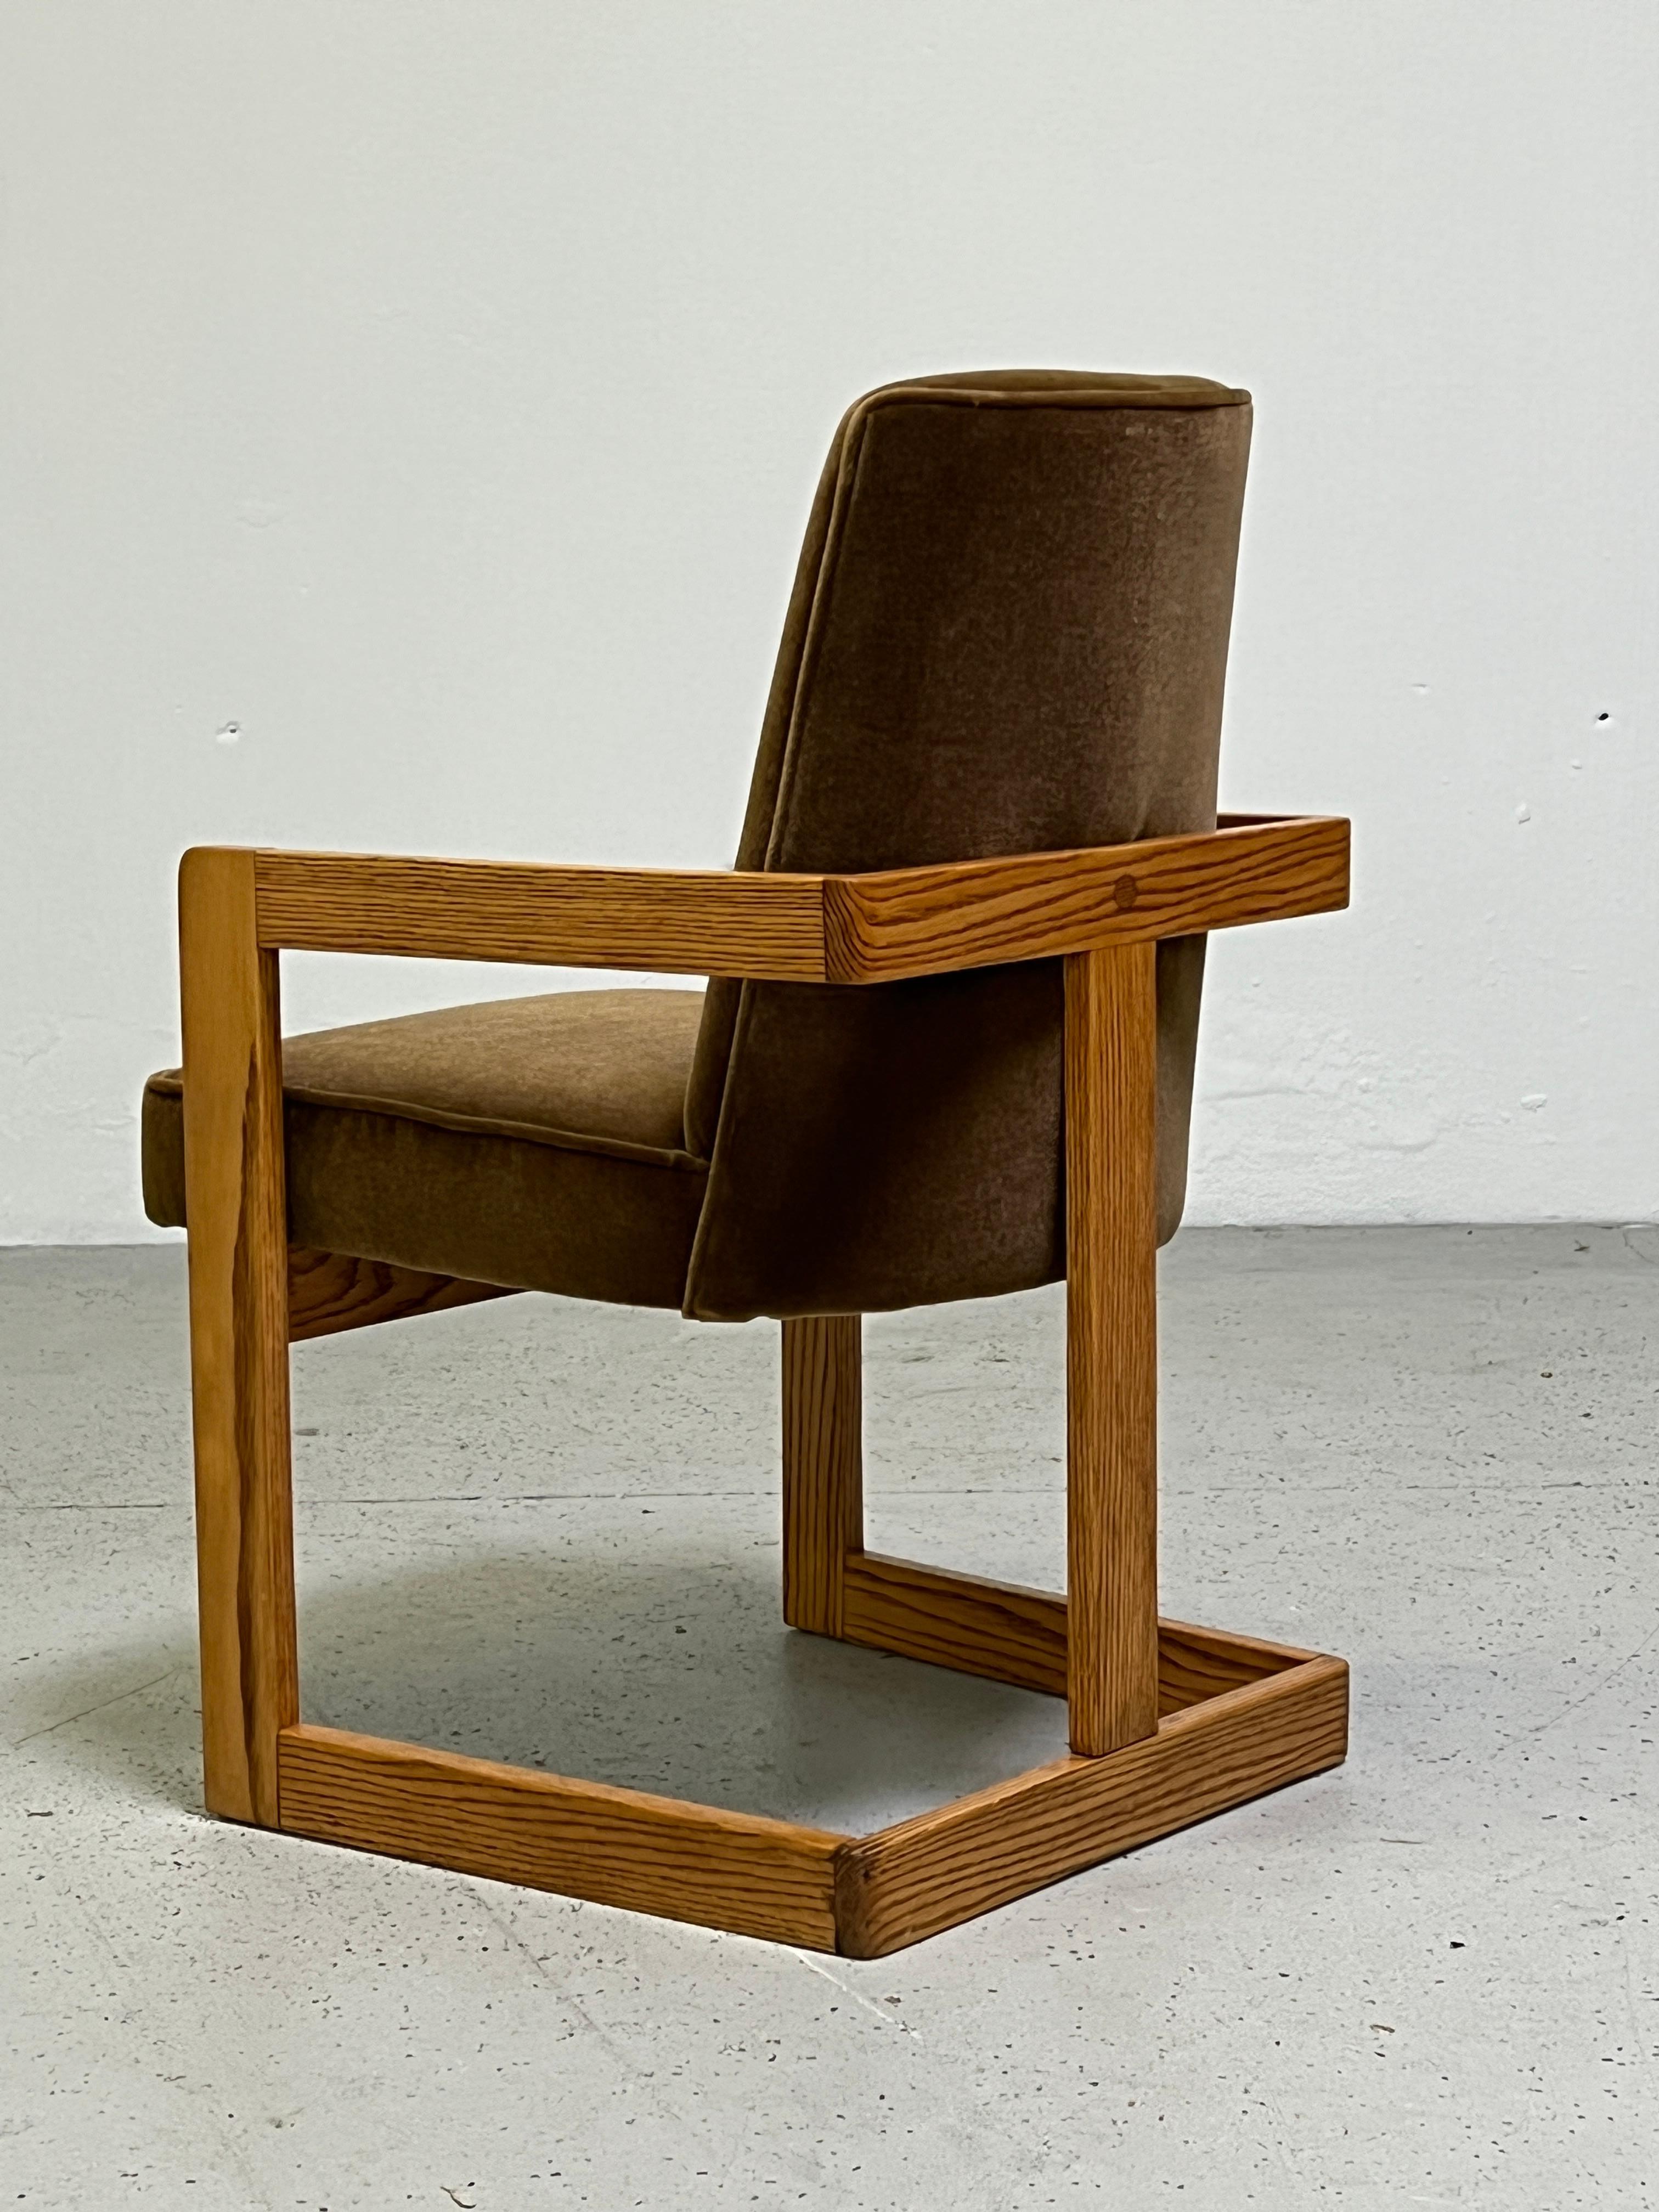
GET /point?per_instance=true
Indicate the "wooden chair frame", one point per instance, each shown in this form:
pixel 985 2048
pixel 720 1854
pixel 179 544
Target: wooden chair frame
pixel 1168 1724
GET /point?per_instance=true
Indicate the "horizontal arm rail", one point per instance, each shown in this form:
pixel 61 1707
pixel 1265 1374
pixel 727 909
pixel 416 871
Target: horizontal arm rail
pixel 977 914
pixel 805 928
pixel 713 922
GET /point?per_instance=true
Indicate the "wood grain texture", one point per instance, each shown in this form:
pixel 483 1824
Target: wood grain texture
pixel 1196 1664
pixel 328 1291
pixel 1111 1346
pixel 997 1630
pixel 238 1249
pixel 823 1466
pixel 1008 1633
pixel 710 923
pixel 841 929
pixel 647 1854
pixel 921 922
pixel 929 1873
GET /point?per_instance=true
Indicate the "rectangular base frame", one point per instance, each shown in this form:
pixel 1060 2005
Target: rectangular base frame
pixel 1168 1724
pixel 1240 1718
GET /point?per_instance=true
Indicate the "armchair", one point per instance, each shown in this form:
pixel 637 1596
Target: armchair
pixel 946 1054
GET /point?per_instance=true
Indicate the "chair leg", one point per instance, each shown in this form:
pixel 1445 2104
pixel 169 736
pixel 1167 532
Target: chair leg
pixel 238 1330
pixel 1111 1347
pixel 823 1467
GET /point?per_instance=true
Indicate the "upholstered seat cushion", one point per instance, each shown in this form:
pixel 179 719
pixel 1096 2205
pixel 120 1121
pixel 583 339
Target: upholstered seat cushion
pixel 535 1142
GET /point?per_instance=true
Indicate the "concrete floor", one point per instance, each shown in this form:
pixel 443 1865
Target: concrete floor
pixel 549 1533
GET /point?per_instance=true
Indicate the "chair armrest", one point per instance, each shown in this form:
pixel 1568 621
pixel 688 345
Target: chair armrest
pixel 799 928
pixel 694 922
pixel 977 914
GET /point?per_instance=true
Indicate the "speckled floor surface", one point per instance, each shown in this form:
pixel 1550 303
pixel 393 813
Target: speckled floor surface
pixel 550 1533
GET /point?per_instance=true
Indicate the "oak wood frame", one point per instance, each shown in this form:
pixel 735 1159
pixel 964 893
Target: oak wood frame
pixel 1169 1723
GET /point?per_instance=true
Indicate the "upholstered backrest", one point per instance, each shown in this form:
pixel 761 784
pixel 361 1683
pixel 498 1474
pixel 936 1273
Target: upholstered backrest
pixel 1008 634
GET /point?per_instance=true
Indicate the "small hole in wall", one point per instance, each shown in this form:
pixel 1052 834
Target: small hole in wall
pixel 1603 718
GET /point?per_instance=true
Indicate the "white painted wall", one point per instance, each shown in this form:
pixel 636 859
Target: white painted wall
pixel 434 392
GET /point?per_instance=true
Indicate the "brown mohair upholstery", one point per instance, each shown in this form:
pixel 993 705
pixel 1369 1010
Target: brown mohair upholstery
pixel 1008 634
pixel 536 1142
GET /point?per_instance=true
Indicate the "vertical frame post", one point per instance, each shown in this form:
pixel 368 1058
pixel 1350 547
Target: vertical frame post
pixel 1111 1346
pixel 235 1206
pixel 822 1467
